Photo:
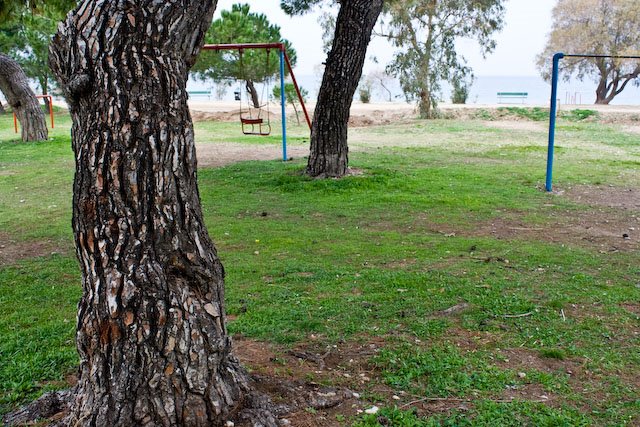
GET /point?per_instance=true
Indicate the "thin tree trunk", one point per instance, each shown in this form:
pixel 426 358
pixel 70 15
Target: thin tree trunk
pixel 253 93
pixel 45 91
pixel 424 105
pixel 427 102
pixel 151 333
pixel 602 94
pixel 15 87
pixel 2 110
pixel 602 89
pixel 329 149
pixel 390 96
pixel 295 109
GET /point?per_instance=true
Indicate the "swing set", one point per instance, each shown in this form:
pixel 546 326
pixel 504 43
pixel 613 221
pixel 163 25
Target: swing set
pixel 555 72
pixel 255 125
pixel 257 121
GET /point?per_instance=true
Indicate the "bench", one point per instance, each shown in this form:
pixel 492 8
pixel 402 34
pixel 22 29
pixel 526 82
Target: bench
pixel 505 97
pixel 206 93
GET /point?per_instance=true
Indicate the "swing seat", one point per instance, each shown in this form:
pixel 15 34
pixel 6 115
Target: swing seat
pixel 255 126
pixel 257 121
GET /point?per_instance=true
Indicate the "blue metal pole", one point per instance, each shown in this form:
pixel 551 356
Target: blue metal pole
pixel 284 106
pixel 552 117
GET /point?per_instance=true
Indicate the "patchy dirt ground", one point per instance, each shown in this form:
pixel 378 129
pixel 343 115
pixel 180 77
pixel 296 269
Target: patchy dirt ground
pixel 604 196
pixel 12 250
pixel 221 154
pixel 603 230
pixel 301 370
pixel 610 223
pixel 346 367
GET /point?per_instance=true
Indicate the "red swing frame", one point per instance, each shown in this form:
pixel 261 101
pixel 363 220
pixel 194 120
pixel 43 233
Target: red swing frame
pixel 277 46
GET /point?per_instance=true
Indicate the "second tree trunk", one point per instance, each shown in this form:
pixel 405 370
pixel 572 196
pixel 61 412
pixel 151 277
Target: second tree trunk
pixel 329 155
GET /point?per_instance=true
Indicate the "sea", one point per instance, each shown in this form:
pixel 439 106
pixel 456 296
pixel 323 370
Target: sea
pixel 483 91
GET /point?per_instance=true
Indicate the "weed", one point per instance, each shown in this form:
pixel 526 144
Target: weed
pixel 552 353
pixel 536 114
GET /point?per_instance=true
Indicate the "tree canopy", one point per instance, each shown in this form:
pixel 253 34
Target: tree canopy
pixel 240 25
pixel 299 7
pixel 426 32
pixel 10 9
pixel 601 27
pixel 25 34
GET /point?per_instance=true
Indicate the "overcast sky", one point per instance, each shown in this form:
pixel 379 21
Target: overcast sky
pixel 527 25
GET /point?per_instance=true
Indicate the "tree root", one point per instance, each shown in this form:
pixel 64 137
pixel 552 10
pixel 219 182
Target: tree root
pixel 46 407
pixel 259 409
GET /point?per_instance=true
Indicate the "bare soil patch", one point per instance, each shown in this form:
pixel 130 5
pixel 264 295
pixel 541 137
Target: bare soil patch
pixel 287 375
pixel 311 361
pixel 607 196
pixel 12 250
pixel 603 230
pixel 221 154
pixel 611 224
pixel 632 308
pixel 380 117
pixel 522 359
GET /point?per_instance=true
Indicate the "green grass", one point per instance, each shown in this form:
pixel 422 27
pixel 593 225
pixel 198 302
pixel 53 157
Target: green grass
pixel 378 256
pixel 38 300
pixel 216 132
pixel 485 414
pixel 538 114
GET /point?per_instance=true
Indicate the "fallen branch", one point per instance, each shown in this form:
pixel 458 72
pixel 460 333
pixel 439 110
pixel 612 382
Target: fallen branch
pixel 516 316
pixel 526 229
pixel 456 399
pixel 316 358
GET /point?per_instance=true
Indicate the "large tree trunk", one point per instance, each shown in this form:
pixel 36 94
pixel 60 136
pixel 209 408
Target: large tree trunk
pixel 15 87
pixel 329 150
pixel 151 331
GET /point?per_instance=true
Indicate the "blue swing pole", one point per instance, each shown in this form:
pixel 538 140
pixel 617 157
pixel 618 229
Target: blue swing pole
pixel 284 106
pixel 552 117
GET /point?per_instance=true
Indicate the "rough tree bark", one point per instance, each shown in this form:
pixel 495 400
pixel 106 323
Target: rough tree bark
pixel 151 334
pixel 329 149
pixel 15 87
